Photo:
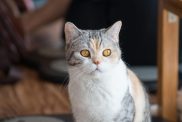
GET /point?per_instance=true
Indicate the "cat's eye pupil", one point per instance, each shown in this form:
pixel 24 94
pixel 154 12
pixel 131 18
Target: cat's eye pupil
pixel 107 52
pixel 85 53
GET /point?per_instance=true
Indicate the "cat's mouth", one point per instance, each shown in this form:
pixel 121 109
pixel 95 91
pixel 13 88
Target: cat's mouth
pixel 96 70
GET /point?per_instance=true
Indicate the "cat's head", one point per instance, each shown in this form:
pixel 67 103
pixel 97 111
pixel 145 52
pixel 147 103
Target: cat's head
pixel 92 51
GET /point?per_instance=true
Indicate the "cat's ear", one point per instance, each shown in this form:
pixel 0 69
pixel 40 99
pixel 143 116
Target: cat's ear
pixel 71 32
pixel 114 30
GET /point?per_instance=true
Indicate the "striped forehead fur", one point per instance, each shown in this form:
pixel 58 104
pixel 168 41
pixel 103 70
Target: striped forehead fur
pixel 86 37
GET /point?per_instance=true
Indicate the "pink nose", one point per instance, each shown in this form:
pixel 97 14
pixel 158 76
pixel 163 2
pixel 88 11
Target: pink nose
pixel 96 62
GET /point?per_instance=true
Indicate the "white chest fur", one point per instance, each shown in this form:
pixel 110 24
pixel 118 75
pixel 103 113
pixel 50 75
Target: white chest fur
pixel 98 99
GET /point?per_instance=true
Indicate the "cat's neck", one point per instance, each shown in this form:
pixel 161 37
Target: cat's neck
pixel 118 71
pixel 117 77
pixel 115 81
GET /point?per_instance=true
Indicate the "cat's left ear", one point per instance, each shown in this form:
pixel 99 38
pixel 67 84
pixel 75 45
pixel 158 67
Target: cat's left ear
pixel 114 30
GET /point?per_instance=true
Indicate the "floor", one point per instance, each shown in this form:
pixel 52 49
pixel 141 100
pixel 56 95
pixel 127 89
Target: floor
pixel 32 96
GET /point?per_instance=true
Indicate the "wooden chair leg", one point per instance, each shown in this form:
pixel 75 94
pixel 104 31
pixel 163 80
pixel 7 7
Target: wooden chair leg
pixel 168 39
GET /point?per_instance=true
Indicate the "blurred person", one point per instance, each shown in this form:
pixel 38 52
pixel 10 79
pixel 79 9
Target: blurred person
pixel 52 10
pixel 10 44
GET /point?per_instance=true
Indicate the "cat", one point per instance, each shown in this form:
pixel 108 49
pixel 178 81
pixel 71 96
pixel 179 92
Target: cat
pixel 101 87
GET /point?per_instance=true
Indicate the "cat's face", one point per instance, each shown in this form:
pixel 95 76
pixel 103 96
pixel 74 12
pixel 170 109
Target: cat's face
pixel 92 52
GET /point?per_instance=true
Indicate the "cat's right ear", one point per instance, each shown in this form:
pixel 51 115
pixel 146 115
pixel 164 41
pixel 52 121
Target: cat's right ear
pixel 71 32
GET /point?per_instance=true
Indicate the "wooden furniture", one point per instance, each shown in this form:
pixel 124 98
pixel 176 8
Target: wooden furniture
pixel 33 96
pixel 168 46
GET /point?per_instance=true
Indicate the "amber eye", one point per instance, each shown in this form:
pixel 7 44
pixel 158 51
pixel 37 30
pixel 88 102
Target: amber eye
pixel 107 52
pixel 85 53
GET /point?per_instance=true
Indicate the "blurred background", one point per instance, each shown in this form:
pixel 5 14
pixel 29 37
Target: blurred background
pixel 33 72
